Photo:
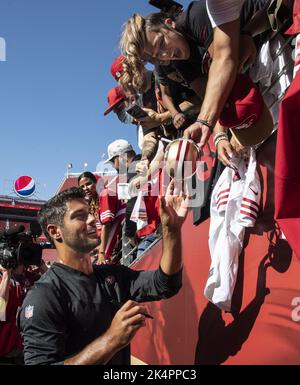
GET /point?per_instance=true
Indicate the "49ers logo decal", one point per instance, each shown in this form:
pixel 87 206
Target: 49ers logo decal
pixel 208 161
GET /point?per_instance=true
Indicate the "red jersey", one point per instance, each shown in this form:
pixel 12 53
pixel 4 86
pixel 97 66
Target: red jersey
pixel 112 210
pixel 10 338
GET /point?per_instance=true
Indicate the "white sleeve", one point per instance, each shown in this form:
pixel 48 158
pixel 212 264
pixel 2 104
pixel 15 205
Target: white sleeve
pixel 223 11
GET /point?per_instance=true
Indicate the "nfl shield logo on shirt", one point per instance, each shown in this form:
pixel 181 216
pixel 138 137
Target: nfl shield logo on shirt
pixel 29 311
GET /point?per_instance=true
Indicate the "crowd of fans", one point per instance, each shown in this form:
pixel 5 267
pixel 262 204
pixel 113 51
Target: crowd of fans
pixel 184 95
pixel 199 88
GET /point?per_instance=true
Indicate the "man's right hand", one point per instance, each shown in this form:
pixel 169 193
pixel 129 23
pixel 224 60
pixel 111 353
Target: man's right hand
pixel 178 120
pixel 126 322
pixel 225 152
pixel 198 132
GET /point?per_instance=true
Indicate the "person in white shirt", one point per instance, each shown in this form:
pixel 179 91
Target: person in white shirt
pixel 225 11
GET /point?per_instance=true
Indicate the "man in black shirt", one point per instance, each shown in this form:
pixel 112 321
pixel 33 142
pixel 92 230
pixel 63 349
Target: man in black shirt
pixel 79 313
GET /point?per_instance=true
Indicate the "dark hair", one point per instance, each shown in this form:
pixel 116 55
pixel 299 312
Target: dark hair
pixel 131 153
pixel 87 174
pixel 55 208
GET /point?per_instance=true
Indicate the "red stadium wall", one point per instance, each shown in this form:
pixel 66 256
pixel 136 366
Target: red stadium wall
pixel 187 329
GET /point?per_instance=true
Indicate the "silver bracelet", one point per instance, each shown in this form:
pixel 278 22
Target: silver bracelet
pixel 218 134
pixel 219 140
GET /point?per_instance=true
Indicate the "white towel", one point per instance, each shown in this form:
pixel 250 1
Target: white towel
pixel 234 206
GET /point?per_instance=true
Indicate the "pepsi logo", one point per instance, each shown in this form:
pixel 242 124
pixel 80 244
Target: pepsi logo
pixel 24 186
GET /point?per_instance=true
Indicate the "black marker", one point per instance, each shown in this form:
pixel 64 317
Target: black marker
pixel 120 304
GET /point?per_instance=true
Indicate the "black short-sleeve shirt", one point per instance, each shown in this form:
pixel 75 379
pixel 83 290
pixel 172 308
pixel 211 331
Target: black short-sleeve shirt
pixel 195 26
pixel 67 309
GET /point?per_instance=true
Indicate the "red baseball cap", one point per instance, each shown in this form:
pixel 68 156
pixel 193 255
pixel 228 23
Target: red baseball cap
pixel 246 114
pixel 114 97
pixel 116 69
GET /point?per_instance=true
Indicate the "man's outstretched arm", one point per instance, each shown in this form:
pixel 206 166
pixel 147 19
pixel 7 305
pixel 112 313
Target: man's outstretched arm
pixel 173 212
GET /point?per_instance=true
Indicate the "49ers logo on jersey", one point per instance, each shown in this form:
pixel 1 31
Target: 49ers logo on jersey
pixel 110 280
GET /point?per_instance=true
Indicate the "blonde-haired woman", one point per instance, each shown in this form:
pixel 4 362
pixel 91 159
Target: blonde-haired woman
pixel 187 40
pixel 139 45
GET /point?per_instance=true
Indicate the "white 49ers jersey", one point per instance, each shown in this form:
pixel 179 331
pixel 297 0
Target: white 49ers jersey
pixel 234 206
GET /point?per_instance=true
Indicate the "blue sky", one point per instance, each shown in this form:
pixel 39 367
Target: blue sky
pixel 53 86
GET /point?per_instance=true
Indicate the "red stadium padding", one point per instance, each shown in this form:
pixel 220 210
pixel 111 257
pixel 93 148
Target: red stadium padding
pixel 287 171
pixel 264 329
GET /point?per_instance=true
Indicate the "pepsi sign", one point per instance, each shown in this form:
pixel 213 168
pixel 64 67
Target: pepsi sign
pixel 24 186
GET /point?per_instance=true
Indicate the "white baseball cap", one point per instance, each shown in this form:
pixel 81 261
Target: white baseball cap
pixel 117 148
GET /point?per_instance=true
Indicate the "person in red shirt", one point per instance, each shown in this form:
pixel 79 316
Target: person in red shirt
pixel 14 285
pixel 113 209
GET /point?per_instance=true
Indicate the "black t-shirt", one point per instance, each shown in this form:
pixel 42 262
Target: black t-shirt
pixel 149 96
pixel 168 75
pixel 150 101
pixel 67 309
pixel 195 26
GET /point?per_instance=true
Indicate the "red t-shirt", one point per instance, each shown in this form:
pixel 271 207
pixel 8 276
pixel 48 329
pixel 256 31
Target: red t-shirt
pixel 111 207
pixel 112 210
pixel 10 338
pixel 152 205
